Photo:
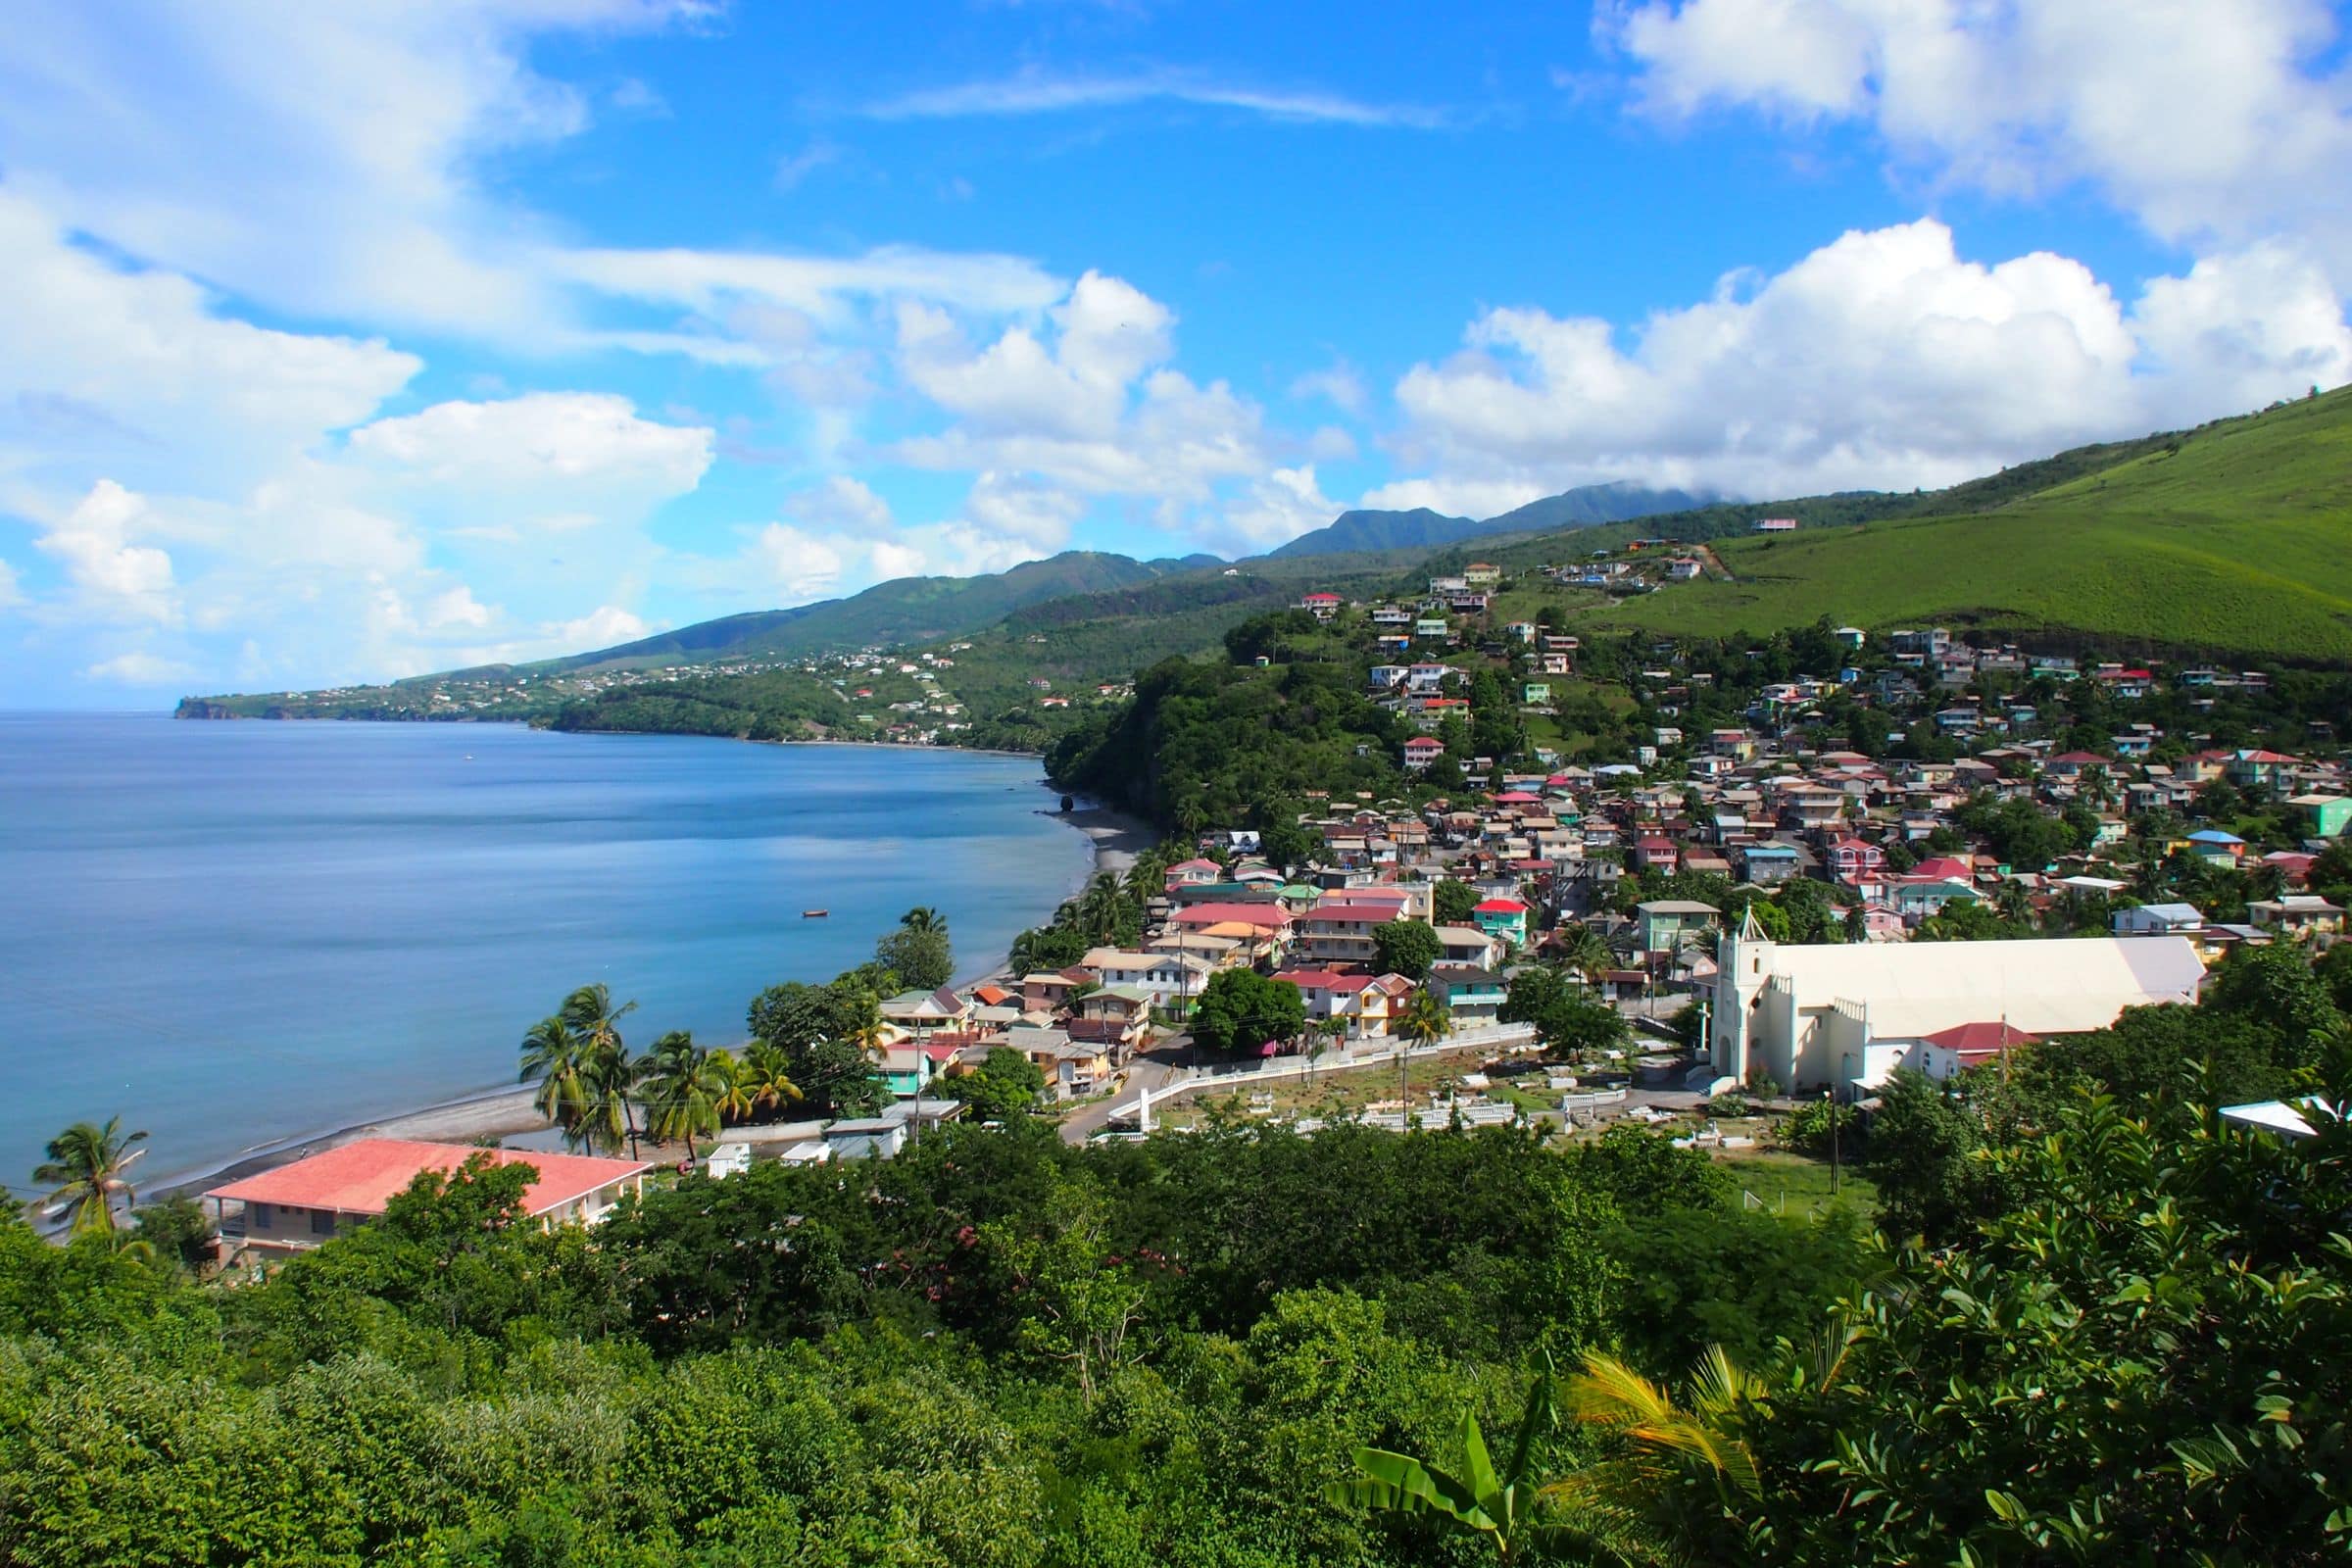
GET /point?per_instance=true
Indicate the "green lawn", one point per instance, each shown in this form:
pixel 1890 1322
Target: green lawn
pixel 1795 1184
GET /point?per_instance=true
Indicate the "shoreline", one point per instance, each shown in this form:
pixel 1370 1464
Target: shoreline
pixel 1115 842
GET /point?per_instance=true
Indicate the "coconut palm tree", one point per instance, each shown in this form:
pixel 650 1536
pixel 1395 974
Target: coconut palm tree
pixel 923 918
pixel 1585 951
pixel 683 1089
pixel 559 1059
pixel 735 1099
pixel 1667 1451
pixel 607 1071
pixel 863 1025
pixel 1425 1018
pixel 1100 908
pixel 86 1171
pixel 764 1073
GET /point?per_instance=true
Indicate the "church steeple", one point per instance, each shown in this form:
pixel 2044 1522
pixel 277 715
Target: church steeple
pixel 1739 958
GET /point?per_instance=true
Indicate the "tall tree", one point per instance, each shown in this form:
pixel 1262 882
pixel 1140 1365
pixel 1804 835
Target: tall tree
pixel 607 1072
pixel 918 951
pixel 1408 948
pixel 559 1060
pixel 86 1173
pixel 685 1086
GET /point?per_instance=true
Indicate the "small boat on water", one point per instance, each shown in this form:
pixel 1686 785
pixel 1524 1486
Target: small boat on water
pixel 813 914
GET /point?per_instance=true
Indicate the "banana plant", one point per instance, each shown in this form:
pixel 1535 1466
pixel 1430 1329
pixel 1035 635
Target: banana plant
pixel 1504 1505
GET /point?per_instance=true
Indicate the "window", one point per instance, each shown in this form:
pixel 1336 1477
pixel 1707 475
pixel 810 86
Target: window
pixel 323 1222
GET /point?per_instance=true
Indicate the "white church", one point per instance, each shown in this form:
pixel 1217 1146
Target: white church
pixel 1810 1016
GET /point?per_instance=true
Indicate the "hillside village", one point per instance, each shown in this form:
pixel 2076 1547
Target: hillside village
pixel 2157 849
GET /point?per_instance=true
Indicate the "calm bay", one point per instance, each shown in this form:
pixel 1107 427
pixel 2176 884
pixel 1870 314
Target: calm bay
pixel 233 934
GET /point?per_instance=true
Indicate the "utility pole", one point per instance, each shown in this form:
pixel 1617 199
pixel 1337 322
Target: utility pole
pixel 1829 1097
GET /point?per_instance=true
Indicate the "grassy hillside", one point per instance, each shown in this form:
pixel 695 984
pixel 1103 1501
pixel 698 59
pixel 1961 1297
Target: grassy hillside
pixel 2228 540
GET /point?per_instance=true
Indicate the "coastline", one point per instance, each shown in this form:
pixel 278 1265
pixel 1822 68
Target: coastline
pixel 1115 842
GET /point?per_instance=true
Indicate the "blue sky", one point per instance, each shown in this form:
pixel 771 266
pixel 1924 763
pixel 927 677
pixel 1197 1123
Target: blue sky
pixel 346 343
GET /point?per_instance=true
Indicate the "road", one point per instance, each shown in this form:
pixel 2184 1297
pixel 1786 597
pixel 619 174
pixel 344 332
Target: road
pixel 1151 1070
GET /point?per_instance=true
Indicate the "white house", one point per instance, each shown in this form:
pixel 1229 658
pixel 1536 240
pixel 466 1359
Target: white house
pixel 1807 1015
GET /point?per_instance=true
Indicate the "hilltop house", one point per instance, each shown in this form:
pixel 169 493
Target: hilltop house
pixel 295 1208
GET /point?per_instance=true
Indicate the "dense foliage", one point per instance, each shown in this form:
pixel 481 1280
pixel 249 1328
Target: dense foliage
pixel 994 1349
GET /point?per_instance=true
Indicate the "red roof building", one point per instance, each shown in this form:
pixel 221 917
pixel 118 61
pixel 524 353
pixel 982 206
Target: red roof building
pixel 299 1205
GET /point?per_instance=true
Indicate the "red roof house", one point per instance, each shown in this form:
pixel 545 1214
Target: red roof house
pixel 299 1205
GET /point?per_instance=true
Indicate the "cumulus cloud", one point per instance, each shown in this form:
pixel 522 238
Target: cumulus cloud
pixel 139 669
pixel 600 628
pixel 541 437
pixel 1274 510
pixel 117 579
pixel 2219 119
pixel 1883 359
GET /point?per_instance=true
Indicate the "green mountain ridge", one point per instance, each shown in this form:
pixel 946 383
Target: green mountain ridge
pixel 2225 540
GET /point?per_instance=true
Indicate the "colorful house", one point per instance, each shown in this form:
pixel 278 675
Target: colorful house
pixel 1504 918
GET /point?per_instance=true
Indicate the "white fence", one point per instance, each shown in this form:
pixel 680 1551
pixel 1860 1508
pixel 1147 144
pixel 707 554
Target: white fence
pixel 1362 1054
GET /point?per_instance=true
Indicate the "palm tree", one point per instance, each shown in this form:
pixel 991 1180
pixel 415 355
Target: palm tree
pixel 683 1089
pixel 923 918
pixel 1101 907
pixel 607 1071
pixel 863 1025
pixel 1504 1505
pixel 86 1168
pixel 1585 951
pixel 735 1099
pixel 1424 1019
pixel 559 1059
pixel 1667 1449
pixel 764 1073
pixel 1322 1035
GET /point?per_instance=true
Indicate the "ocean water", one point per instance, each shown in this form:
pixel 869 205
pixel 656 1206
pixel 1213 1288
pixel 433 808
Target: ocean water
pixel 233 934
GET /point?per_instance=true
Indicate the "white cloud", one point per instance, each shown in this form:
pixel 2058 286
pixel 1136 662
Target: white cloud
pixel 794 168
pixel 1339 383
pixel 1109 333
pixel 456 607
pixel 1455 497
pixel 1883 359
pixel 1080 405
pixel 539 439
pixel 117 580
pixel 320 157
pixel 12 591
pixel 600 628
pixel 139 373
pixel 139 669
pixel 2240 331
pixel 2217 119
pixel 1015 510
pixel 1274 510
pixel 1040 92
